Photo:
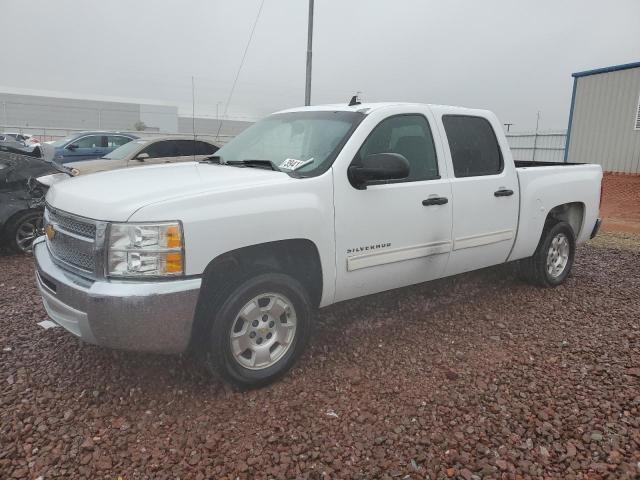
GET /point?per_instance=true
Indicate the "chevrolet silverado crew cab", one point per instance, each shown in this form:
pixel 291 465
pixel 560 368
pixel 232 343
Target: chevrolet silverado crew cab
pixel 308 207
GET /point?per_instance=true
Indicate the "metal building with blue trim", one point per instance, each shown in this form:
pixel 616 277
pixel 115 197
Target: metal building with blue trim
pixel 604 120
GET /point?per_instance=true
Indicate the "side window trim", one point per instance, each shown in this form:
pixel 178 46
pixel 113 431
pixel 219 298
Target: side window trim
pixel 435 150
pixel 495 137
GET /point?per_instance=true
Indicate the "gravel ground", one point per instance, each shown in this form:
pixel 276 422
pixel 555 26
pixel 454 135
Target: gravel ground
pixel 479 376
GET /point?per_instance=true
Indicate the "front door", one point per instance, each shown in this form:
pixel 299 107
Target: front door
pixel 485 192
pixel 396 233
pixel 85 148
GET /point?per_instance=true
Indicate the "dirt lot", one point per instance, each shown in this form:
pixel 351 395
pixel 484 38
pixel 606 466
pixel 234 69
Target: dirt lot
pixel 479 376
pixel 621 203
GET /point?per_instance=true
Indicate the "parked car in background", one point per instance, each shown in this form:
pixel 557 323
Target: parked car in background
pixel 150 151
pixel 24 181
pixel 12 145
pixel 25 138
pixel 86 145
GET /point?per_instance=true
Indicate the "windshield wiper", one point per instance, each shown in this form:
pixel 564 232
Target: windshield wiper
pixel 265 164
pixel 211 159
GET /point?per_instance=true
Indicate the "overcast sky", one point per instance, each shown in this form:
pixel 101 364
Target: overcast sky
pixel 513 57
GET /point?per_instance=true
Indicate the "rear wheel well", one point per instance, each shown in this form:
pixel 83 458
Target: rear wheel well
pixel 572 213
pixel 298 258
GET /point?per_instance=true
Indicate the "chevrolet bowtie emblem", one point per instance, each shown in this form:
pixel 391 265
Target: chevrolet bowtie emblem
pixel 50 232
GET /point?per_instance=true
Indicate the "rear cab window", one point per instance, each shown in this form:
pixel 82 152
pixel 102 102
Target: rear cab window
pixel 474 146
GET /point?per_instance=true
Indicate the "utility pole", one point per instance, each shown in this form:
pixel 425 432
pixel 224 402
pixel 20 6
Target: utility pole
pixel 508 125
pixel 535 137
pixel 307 89
pixel 193 107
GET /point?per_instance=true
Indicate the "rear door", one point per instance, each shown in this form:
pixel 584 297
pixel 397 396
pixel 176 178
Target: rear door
pixel 485 193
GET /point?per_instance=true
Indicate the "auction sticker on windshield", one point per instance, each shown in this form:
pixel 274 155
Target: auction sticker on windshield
pixel 294 164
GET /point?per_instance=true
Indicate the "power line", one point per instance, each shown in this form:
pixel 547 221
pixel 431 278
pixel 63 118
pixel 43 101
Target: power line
pixel 244 56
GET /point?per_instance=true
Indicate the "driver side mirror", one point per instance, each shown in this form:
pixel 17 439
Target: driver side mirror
pixel 72 147
pixel 378 167
pixel 142 157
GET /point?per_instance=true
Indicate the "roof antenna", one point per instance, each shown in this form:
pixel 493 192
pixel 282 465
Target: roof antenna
pixel 355 100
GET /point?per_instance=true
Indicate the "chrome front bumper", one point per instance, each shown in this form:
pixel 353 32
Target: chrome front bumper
pixel 142 316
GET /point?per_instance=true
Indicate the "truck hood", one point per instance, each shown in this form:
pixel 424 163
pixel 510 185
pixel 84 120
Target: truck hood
pixel 116 195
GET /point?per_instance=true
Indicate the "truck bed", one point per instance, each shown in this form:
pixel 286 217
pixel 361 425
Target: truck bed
pixel 553 184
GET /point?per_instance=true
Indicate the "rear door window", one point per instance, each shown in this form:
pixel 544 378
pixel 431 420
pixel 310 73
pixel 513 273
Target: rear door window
pixel 163 148
pixel 185 148
pixel 115 141
pixel 204 148
pixel 474 146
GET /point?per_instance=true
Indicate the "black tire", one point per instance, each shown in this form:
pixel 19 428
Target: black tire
pixel 535 268
pixel 220 355
pixel 19 227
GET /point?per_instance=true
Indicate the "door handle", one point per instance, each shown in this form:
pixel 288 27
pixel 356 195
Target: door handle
pixel 435 201
pixel 503 192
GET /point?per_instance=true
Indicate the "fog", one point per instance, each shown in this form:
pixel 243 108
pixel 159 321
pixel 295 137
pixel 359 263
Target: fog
pixel 515 58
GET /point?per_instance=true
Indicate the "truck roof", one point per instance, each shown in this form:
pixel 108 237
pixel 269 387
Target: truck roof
pixel 367 108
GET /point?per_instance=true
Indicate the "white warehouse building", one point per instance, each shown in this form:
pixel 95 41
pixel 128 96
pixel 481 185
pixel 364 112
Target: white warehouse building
pixel 604 120
pixel 48 116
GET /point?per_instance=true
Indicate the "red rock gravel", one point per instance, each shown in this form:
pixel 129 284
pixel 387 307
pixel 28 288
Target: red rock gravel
pixel 480 376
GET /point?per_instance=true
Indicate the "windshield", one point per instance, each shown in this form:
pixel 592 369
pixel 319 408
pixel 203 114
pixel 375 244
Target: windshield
pixel 306 143
pixel 125 150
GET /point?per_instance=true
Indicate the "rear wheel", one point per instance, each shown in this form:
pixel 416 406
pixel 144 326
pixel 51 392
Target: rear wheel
pixel 551 263
pixel 23 229
pixel 260 329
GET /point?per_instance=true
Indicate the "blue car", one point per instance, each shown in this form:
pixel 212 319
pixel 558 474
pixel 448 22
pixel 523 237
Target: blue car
pixel 88 145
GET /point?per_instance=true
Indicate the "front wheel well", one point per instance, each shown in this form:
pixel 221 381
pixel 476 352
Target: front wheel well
pixel 298 258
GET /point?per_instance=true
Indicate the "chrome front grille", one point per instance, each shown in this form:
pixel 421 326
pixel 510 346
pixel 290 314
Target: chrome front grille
pixel 70 224
pixel 72 241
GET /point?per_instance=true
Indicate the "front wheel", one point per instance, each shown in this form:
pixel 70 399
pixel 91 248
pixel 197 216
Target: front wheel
pixel 260 329
pixel 551 263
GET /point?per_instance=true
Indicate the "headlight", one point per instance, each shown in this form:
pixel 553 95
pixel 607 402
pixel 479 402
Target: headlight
pixel 145 250
pixel 48 180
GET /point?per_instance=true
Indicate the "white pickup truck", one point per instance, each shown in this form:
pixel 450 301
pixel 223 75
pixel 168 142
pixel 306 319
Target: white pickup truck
pixel 308 207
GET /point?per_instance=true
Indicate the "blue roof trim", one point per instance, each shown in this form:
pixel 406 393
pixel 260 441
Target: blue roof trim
pixel 614 68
